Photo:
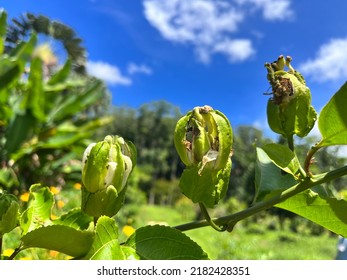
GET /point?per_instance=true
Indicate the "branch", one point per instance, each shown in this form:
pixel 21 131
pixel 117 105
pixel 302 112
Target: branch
pixel 15 253
pixel 263 205
pixel 309 158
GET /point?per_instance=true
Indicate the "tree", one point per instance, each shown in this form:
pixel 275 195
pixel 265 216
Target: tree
pixel 46 118
pixel 28 23
pixel 150 129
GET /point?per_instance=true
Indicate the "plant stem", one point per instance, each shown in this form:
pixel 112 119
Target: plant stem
pixel 309 157
pixel 15 253
pixel 209 220
pixel 290 140
pixel 263 205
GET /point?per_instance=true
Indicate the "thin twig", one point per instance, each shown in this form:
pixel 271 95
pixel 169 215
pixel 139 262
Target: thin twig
pixel 15 253
pixel 209 220
pixel 290 140
pixel 309 158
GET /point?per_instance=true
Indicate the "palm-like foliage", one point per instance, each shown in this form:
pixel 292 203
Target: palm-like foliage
pixel 22 28
pixel 45 119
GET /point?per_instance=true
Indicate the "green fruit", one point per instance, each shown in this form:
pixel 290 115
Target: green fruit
pixel 289 111
pixel 106 167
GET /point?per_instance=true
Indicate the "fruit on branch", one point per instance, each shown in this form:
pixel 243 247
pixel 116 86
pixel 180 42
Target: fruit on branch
pixel 289 111
pixel 106 167
pixel 203 140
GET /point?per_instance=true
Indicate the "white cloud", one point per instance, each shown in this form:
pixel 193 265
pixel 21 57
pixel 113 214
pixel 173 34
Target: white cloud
pixel 235 50
pixel 329 63
pixel 205 24
pixel 107 72
pixel 210 25
pixel 272 9
pixel 136 68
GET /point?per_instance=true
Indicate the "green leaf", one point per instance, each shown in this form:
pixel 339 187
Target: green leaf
pixel 208 187
pixel 60 238
pixel 63 139
pixel 10 72
pixel 269 179
pixel 75 102
pixel 3 29
pixel 164 243
pixel 106 245
pixel 326 211
pixel 130 253
pixel 23 51
pixel 3 23
pixel 75 219
pixel 282 157
pixel 38 213
pixel 8 177
pixel 35 96
pixel 63 136
pixel 332 121
pixel 19 129
pixel 61 75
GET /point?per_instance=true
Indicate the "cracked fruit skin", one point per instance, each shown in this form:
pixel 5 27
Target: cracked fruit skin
pixel 289 111
pixel 203 140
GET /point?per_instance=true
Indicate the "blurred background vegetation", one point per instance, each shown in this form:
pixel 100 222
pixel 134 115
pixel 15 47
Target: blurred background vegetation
pixel 51 109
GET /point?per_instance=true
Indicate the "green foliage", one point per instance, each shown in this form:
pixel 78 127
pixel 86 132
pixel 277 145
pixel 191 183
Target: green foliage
pixel 209 187
pixel 283 158
pixel 8 213
pixel 332 121
pixel 106 245
pixel 29 23
pixel 38 212
pixel 331 212
pixel 269 179
pixel 149 243
pixel 74 219
pixel 44 115
pixel 59 238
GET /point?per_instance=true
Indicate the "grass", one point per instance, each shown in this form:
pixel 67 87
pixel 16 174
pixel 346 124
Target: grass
pixel 268 245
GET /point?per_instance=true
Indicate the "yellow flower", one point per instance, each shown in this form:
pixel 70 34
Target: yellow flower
pixel 54 217
pixel 60 204
pixel 24 197
pixel 54 190
pixel 77 186
pixel 53 254
pixel 8 252
pixel 25 259
pixel 128 230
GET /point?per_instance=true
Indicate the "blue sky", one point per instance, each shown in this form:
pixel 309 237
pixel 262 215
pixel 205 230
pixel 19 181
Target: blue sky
pixel 201 52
